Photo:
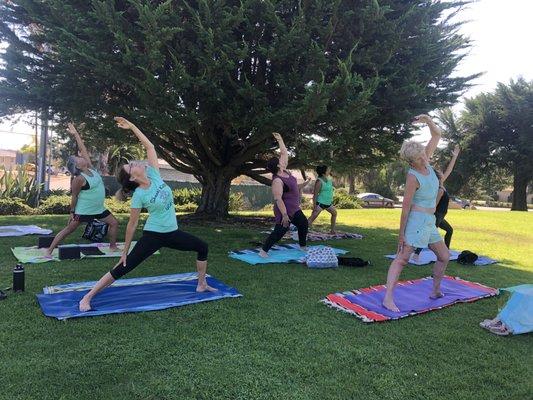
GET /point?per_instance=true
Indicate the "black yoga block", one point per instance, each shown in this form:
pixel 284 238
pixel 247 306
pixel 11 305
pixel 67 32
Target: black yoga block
pixel 45 241
pixel 69 252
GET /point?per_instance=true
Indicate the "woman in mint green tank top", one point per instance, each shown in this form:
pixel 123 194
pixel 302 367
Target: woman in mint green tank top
pixel 417 222
pixel 323 196
pixel 88 195
pixel 143 182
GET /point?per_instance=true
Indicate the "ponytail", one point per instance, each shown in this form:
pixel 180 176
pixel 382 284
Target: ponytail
pixel 127 185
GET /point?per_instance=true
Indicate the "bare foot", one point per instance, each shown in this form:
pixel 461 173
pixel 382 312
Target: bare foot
pixel 436 295
pixel 263 254
pixel 204 287
pixel 114 248
pixel 85 305
pixel 390 305
pixel 47 253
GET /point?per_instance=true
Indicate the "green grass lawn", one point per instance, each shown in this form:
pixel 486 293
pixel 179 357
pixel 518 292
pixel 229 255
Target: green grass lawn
pixel 278 341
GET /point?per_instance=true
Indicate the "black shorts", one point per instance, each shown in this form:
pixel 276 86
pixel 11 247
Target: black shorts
pixel 89 218
pixel 323 206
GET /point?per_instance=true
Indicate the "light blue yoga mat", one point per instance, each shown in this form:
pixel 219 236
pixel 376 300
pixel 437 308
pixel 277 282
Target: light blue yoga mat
pixel 278 254
pixel 131 295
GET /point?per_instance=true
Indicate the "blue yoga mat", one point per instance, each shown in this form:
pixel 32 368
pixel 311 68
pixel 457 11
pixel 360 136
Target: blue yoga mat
pixel 132 295
pixel 278 254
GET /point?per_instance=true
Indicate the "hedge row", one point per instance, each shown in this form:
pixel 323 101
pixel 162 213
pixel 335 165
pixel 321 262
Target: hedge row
pixel 60 204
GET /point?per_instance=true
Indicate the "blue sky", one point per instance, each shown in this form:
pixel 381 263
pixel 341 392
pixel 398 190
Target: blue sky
pixel 501 31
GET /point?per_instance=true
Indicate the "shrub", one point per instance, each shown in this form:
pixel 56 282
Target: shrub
pixel 343 200
pixel 14 206
pixel 117 206
pixel 18 184
pixel 189 207
pixel 306 203
pixel 55 205
pixel 236 201
pixel 186 196
pixel 54 192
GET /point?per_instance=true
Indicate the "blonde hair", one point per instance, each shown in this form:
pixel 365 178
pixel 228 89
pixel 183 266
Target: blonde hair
pixel 411 151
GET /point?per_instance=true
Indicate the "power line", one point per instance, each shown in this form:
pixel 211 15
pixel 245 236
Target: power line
pixel 18 133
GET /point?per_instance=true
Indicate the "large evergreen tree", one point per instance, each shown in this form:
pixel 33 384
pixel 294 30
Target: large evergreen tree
pixel 209 80
pixel 495 131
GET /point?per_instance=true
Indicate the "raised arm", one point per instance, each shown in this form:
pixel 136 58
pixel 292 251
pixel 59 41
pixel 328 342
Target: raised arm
pixel 149 146
pixel 449 169
pixel 284 154
pixel 435 133
pixel 304 184
pixel 81 146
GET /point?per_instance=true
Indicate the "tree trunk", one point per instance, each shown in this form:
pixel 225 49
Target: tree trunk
pixel 215 194
pixel 351 183
pixel 520 180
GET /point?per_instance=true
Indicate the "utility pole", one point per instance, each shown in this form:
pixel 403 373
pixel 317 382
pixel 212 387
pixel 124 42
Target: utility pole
pixel 36 140
pixel 49 169
pixel 41 161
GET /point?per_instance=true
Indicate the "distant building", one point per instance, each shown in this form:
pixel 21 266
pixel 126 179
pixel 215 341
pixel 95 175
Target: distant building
pixel 8 158
pixel 168 173
pixel 505 195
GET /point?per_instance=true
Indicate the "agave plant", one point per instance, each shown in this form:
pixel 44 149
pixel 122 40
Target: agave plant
pixel 20 184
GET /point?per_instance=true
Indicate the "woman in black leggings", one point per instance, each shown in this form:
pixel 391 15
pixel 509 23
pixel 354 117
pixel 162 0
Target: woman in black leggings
pixel 443 199
pixel 161 228
pixel 287 193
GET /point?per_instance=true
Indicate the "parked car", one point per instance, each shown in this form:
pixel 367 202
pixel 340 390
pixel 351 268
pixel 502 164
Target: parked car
pixel 459 202
pixel 375 200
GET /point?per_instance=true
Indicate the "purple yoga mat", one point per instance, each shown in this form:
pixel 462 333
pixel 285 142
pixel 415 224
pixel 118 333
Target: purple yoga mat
pixel 411 297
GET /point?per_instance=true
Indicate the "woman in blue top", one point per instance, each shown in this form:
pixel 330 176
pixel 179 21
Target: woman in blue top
pixel 144 182
pixel 417 223
pixel 87 197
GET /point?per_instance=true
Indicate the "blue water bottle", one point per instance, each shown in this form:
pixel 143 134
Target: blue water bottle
pixel 18 278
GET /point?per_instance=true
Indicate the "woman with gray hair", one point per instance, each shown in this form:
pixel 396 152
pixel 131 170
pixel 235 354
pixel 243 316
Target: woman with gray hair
pixel 417 223
pixel 87 197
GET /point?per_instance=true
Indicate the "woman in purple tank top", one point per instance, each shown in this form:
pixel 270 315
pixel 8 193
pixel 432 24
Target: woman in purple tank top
pixel 286 192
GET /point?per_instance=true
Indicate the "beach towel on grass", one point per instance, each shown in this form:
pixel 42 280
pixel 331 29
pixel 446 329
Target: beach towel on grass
pixel 427 257
pixel 280 253
pixel 517 315
pixel 131 295
pixel 21 230
pixel 34 255
pixel 411 297
pixel 315 236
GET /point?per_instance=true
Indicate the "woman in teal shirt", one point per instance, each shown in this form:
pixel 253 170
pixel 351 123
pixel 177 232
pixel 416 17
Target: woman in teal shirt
pixel 88 195
pixel 143 181
pixel 323 196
